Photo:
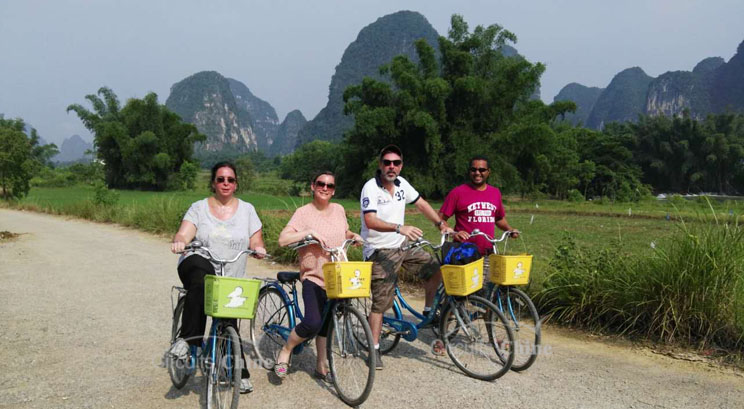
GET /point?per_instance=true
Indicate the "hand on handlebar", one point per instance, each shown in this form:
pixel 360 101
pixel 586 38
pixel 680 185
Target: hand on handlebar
pixel 260 253
pixel 462 236
pixel 412 233
pixel 178 247
pixel 358 240
pixel 514 233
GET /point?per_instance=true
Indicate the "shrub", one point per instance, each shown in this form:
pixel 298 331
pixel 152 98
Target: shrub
pixel 104 196
pixel 690 290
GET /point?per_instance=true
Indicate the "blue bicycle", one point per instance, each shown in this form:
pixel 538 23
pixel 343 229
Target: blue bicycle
pixel 519 310
pixel 474 332
pixel 350 360
pixel 220 359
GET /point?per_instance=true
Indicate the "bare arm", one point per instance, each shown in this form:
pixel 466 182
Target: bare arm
pixel 504 225
pixel 186 233
pixel 256 243
pixel 373 222
pixel 289 235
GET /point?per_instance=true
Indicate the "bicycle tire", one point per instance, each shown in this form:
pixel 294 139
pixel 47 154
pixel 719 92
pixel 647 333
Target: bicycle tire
pixel 521 314
pixel 481 345
pixel 348 359
pixel 271 310
pixel 223 378
pixel 389 337
pixel 178 369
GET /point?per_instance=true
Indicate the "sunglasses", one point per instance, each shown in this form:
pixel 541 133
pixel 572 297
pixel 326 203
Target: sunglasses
pixel 321 185
pixel 221 179
pixel 481 170
pixel 396 162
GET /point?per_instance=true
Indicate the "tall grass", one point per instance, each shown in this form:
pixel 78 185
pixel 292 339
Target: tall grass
pixel 690 290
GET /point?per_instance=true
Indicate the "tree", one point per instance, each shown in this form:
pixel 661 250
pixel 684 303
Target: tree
pixel 309 159
pixel 443 112
pixel 16 160
pixel 143 145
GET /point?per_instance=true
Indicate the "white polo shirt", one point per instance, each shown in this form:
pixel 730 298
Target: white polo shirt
pixel 389 208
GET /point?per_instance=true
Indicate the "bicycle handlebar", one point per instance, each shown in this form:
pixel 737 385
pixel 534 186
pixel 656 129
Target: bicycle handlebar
pixel 197 245
pixel 503 237
pixel 423 242
pixel 335 252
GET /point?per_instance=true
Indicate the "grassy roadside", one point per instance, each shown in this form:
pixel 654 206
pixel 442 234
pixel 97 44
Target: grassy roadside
pixel 597 266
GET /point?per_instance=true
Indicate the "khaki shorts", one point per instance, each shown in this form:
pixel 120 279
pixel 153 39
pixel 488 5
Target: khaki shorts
pixel 385 266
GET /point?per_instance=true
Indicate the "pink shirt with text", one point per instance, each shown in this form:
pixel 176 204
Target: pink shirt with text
pixel 474 209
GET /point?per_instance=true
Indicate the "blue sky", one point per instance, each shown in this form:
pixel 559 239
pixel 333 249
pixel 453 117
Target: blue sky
pixel 56 52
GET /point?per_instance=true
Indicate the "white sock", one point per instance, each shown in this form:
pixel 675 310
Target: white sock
pixel 377 346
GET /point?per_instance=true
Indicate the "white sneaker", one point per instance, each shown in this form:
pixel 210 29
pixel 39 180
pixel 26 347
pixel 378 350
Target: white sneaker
pixel 180 349
pixel 246 386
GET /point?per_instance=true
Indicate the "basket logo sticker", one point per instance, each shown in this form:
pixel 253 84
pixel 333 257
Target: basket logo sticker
pixel 475 278
pixel 519 271
pixel 356 281
pixel 235 298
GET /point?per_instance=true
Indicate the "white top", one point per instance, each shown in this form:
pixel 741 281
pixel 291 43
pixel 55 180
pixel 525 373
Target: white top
pixel 389 208
pixel 225 238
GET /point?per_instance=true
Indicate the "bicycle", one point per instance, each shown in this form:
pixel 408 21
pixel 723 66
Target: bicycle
pixel 220 359
pixel 474 332
pixel 519 310
pixel 348 359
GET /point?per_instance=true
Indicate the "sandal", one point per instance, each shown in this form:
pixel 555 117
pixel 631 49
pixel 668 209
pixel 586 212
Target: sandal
pixel 327 378
pixel 281 369
pixel 437 347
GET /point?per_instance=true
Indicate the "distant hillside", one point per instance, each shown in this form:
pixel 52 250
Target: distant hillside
pixel 623 100
pixel 206 100
pixel 286 138
pixel 727 89
pixel 376 45
pixel 263 116
pixel 584 98
pixel 713 86
pixel 73 150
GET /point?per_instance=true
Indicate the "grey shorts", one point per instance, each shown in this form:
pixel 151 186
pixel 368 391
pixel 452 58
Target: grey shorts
pixel 385 266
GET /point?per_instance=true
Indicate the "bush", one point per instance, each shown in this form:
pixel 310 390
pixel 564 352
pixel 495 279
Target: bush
pixel 575 196
pixel 104 196
pixel 690 290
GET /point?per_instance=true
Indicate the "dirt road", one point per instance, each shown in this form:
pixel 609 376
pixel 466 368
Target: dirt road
pixel 85 315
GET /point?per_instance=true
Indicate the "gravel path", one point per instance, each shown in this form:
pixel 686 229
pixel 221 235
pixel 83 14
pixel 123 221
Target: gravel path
pixel 85 316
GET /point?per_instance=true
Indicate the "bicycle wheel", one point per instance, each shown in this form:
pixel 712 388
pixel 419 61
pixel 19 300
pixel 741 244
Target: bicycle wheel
pixel 389 337
pixel 178 369
pixel 223 377
pixel 521 314
pixel 350 361
pixel 477 337
pixel 272 314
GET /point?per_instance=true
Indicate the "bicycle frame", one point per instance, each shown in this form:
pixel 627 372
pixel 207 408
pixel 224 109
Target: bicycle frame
pixel 408 329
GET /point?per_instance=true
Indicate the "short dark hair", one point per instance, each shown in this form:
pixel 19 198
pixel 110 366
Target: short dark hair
pixel 479 157
pixel 391 148
pixel 319 174
pixel 216 167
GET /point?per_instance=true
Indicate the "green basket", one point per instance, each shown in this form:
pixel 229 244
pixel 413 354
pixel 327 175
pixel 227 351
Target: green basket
pixel 228 297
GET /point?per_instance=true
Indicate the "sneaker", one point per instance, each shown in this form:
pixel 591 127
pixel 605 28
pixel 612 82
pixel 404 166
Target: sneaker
pixel 378 361
pixel 246 386
pixel 180 349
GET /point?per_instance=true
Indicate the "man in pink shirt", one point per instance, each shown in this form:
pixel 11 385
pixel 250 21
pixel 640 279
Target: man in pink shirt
pixel 476 205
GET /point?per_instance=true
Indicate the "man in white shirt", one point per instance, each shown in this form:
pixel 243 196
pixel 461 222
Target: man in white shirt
pixel 383 203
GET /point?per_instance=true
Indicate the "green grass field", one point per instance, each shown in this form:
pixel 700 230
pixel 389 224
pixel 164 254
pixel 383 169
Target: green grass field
pixel 669 271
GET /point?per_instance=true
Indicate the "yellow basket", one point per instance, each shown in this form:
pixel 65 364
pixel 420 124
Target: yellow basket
pixel 463 280
pixel 347 279
pixel 511 269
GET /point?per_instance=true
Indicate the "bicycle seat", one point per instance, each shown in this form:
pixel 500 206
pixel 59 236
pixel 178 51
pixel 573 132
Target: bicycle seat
pixel 287 276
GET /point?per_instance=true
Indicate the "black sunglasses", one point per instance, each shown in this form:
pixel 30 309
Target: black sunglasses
pixel 221 179
pixel 481 170
pixel 321 185
pixel 396 162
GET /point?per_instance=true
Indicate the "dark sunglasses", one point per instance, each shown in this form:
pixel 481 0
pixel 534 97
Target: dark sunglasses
pixel 221 179
pixel 321 185
pixel 481 170
pixel 396 162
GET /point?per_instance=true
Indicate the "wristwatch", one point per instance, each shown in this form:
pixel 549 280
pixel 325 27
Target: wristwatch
pixel 439 223
pixel 397 228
